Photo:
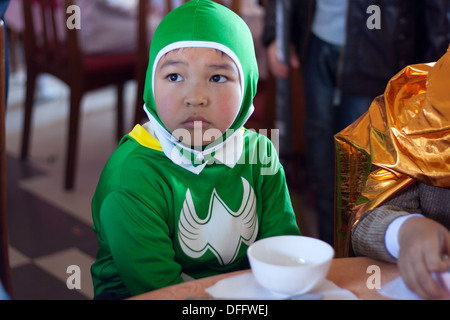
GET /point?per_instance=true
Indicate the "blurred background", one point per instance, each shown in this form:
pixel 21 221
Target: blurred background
pixel 48 218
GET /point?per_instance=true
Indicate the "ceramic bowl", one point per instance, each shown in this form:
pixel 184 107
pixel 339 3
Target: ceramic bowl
pixel 290 265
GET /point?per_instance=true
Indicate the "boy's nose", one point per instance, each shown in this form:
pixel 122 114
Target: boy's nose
pixel 196 96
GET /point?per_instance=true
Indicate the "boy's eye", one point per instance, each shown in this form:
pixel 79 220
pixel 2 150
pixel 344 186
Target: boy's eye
pixel 173 77
pixel 218 78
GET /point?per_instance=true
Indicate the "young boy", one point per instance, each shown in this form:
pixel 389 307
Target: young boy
pixel 189 191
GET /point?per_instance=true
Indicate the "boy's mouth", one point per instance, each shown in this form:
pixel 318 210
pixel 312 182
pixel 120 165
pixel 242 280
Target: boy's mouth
pixel 196 122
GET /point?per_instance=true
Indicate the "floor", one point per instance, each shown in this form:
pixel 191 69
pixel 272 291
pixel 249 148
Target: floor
pixel 44 242
pixel 50 229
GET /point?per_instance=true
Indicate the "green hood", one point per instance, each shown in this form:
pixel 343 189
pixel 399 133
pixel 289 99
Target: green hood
pixel 204 23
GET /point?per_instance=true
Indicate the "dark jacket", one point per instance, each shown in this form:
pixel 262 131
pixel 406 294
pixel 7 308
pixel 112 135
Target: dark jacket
pixel 412 31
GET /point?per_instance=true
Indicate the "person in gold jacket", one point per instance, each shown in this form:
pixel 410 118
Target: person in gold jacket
pixel 393 178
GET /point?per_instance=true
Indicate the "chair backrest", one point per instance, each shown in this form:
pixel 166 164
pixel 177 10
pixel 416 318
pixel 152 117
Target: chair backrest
pixel 5 271
pixel 49 44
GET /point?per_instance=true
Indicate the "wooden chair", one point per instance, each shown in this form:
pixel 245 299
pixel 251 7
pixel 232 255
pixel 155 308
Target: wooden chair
pixel 143 46
pixel 5 271
pixel 45 52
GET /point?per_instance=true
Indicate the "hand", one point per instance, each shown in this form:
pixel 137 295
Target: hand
pixel 279 69
pixel 424 249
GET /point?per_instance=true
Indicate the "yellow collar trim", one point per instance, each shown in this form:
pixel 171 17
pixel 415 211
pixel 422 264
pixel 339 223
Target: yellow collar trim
pixel 144 138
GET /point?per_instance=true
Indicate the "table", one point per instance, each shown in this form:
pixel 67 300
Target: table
pixel 348 273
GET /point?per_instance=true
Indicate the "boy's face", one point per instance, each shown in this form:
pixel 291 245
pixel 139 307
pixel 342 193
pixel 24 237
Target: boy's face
pixel 197 91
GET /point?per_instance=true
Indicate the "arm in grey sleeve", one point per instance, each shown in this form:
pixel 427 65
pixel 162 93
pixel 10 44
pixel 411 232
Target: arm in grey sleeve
pixel 368 234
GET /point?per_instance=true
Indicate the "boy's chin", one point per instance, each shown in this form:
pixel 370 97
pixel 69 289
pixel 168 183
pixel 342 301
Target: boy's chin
pixel 199 140
pixel 196 144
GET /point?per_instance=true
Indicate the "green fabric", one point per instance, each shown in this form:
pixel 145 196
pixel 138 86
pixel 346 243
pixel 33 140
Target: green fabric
pixel 205 20
pixel 139 200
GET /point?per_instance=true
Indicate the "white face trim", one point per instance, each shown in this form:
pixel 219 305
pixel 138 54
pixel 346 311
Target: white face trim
pixel 200 44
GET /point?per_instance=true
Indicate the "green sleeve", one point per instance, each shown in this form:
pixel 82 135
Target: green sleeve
pixel 139 240
pixel 278 217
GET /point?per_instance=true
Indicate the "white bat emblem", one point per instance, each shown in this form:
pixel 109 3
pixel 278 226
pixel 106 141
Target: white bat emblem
pixel 222 231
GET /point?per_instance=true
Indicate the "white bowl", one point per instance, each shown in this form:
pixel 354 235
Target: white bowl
pixel 290 265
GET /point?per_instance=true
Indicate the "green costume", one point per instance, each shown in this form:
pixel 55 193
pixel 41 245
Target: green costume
pixel 160 209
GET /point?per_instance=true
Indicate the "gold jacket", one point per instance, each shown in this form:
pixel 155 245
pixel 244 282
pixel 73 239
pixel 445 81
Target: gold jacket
pixel 403 137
